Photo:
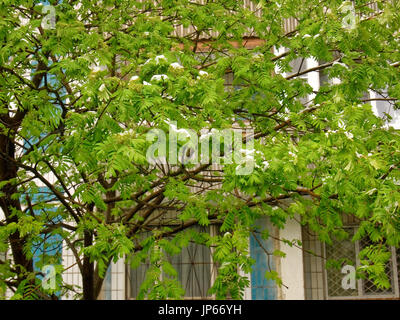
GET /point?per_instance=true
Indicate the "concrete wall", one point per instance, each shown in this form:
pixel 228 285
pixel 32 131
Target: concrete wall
pixel 291 266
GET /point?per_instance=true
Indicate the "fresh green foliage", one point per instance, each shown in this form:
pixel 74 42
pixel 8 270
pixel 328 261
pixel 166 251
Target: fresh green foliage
pixel 77 101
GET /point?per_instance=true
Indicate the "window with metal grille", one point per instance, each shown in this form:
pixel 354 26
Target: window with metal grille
pixel 347 253
pixel 195 268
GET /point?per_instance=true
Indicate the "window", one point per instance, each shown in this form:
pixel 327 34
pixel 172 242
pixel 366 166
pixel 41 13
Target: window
pixel 261 251
pixel 298 65
pixel 330 283
pixel 348 251
pixel 195 268
pixel 385 108
pixel 197 271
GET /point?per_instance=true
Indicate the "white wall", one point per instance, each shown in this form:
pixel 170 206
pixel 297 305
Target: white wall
pixel 291 267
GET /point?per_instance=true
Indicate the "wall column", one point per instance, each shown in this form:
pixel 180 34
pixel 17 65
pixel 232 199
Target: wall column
pixel 291 266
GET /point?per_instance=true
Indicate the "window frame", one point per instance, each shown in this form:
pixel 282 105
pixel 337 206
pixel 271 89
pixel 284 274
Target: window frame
pixel 359 282
pixel 213 229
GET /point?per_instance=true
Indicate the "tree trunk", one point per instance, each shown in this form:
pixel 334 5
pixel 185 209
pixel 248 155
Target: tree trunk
pixel 8 170
pixel 88 270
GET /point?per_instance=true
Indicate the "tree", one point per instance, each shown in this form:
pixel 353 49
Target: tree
pixel 79 102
